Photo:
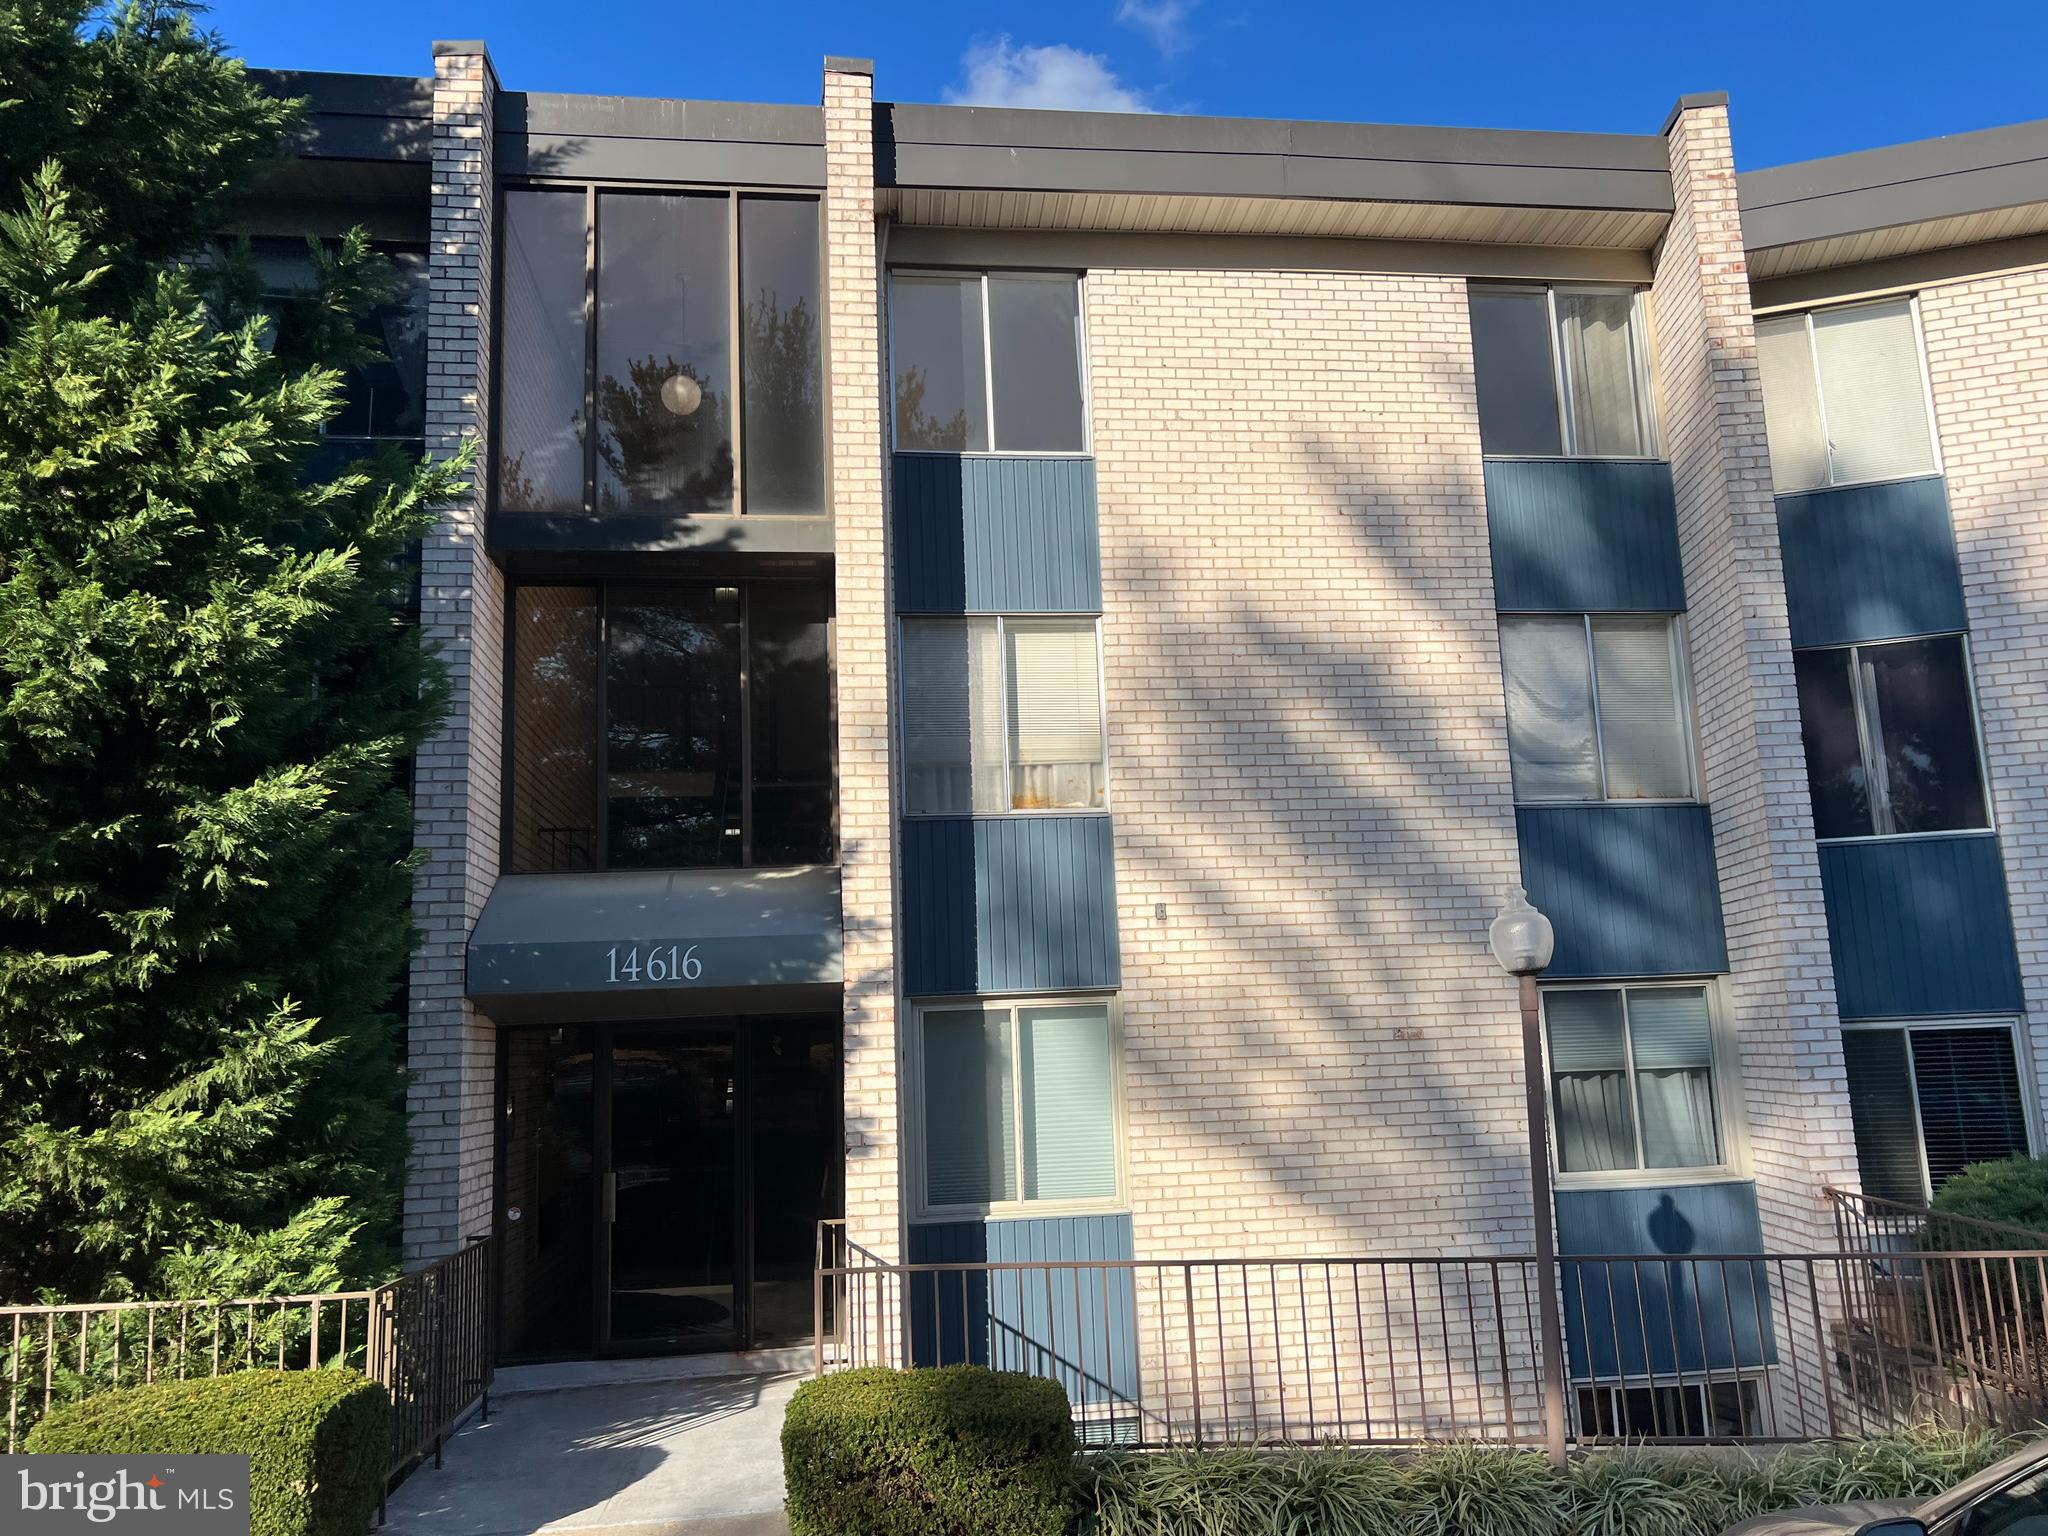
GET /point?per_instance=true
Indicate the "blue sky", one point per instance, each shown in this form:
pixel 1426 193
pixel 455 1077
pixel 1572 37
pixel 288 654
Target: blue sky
pixel 1807 77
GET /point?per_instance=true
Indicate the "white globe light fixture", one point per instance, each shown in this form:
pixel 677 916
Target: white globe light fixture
pixel 681 394
pixel 1521 937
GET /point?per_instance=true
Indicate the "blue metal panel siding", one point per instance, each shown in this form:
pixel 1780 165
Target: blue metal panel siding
pixel 1009 904
pixel 1870 562
pixel 1583 536
pixel 995 535
pixel 1631 888
pixel 1920 926
pixel 1694 1317
pixel 1082 1330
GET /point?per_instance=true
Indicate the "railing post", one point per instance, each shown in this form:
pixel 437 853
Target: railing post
pixel 818 1303
pixel 1187 1287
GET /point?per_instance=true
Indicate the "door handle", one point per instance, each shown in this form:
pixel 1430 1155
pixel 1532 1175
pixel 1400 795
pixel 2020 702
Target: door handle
pixel 611 1197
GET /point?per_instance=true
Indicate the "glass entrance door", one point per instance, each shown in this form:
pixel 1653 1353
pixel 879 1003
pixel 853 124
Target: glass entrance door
pixel 672 1194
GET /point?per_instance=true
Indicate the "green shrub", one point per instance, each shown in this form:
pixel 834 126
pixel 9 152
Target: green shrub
pixel 318 1442
pixel 2013 1192
pixel 1476 1490
pixel 956 1451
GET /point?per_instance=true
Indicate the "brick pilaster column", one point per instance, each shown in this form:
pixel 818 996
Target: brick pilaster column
pixel 858 466
pixel 457 774
pixel 1781 976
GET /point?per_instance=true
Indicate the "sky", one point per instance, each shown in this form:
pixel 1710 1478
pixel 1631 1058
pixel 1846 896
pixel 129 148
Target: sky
pixel 1806 78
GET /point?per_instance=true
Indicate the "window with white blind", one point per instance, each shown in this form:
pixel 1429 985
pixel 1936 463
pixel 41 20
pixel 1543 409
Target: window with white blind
pixel 1928 1100
pixel 1632 1078
pixel 1597 707
pixel 1845 396
pixel 1001 715
pixel 1561 371
pixel 1019 1105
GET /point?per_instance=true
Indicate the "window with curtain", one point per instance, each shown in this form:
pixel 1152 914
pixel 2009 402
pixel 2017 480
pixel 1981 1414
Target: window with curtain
pixel 1926 1101
pixel 1560 370
pixel 1001 715
pixel 1019 1104
pixel 1596 707
pixel 1891 738
pixel 1845 398
pixel 1632 1078
pixel 987 361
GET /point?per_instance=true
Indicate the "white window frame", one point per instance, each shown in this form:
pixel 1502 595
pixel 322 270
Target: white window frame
pixel 1730 1131
pixel 988 362
pixel 1681 660
pixel 1820 399
pixel 1873 761
pixel 1642 365
pixel 2022 1066
pixel 1762 1377
pixel 921 1210
pixel 1010 807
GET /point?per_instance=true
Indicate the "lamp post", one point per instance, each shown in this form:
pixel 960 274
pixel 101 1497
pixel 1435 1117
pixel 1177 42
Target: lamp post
pixel 1522 940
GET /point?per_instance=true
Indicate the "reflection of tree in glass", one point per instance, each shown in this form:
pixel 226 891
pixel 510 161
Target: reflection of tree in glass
pixel 914 429
pixel 649 454
pixel 780 394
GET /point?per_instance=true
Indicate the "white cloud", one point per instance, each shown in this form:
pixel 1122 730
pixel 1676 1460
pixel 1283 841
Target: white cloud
pixel 1164 21
pixel 997 73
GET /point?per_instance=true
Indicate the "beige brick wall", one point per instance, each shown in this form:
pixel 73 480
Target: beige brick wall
pixel 1781 981
pixel 1308 775
pixel 456 776
pixel 1987 361
pixel 859 490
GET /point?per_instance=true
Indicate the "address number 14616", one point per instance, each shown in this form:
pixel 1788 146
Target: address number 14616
pixel 673 963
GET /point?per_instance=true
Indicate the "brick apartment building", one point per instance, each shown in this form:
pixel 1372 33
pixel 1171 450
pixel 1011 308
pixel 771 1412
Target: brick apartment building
pixel 1004 661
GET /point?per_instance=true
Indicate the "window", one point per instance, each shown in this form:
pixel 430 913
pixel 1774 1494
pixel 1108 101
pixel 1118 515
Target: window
pixel 383 399
pixel 1632 1078
pixel 987 361
pixel 1561 371
pixel 1891 739
pixel 1698 1409
pixel 639 740
pixel 1001 715
pixel 1596 708
pixel 1845 398
pixel 1926 1101
pixel 1019 1104
pixel 622 388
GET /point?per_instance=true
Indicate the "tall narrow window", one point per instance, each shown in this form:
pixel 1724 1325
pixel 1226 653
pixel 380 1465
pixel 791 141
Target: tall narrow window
pixel 1926 1101
pixel 1632 1078
pixel 1019 1103
pixel 672 738
pixel 1891 740
pixel 1560 370
pixel 554 728
pixel 781 379
pixel 987 361
pixel 1845 398
pixel 1596 708
pixel 1001 715
pixel 542 364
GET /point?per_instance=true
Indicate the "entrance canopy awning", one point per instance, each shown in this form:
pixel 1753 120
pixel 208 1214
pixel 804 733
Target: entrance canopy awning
pixel 632 944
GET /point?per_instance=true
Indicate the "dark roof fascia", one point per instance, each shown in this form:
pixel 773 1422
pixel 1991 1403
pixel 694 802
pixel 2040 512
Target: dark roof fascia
pixel 358 117
pixel 1009 149
pixel 633 138
pixel 1875 189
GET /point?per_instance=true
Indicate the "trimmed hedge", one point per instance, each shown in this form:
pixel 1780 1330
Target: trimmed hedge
pixel 318 1442
pixel 2014 1192
pixel 952 1451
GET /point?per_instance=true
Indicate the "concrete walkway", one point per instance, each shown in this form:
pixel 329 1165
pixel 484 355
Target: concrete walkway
pixel 694 1457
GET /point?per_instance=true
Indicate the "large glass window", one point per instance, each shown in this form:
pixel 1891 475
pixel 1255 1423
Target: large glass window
pixel 383 398
pixel 987 360
pixel 1019 1104
pixel 1926 1101
pixel 1891 739
pixel 1560 370
pixel 1596 707
pixel 1845 398
pixel 617 313
pixel 1632 1078
pixel 1001 714
pixel 676 726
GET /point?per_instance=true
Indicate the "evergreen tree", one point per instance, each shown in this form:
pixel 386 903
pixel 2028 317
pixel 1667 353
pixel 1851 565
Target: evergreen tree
pixel 208 691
